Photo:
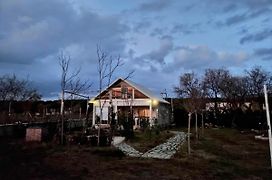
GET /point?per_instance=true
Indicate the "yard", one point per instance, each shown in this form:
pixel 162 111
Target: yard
pixel 221 154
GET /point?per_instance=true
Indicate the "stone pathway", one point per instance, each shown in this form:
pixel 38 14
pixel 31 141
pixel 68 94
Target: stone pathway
pixel 128 150
pixel 162 151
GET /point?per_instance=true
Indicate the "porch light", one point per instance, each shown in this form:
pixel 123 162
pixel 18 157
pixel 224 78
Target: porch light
pixel 94 102
pixel 155 102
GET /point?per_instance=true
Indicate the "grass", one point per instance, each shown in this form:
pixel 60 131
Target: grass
pixel 220 154
pixel 229 153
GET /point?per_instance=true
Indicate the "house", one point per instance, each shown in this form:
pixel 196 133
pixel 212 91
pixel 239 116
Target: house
pixel 124 95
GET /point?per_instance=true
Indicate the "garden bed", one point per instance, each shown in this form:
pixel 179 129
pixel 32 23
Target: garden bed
pixel 144 141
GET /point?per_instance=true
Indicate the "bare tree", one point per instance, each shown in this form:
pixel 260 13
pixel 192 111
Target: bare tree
pixel 190 88
pixel 106 68
pixel 107 65
pixel 232 92
pixel 12 88
pixel 234 89
pixel 212 81
pixel 70 83
pixel 257 78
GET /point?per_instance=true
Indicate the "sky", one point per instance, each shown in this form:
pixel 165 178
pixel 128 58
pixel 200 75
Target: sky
pixel 158 39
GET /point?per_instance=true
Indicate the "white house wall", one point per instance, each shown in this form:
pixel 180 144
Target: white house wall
pixel 120 103
pixel 105 112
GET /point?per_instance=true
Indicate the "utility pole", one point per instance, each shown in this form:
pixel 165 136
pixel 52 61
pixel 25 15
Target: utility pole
pixel 268 123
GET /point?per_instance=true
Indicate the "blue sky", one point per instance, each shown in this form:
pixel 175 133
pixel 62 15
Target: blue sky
pixel 159 39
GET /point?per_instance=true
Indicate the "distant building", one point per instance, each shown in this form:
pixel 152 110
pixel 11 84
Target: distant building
pixel 125 95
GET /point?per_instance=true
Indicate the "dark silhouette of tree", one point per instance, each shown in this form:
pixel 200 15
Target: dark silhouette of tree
pixel 14 89
pixel 236 95
pixel 191 89
pixel 212 81
pixel 257 77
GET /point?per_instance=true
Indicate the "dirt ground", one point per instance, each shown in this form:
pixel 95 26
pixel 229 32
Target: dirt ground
pixel 220 154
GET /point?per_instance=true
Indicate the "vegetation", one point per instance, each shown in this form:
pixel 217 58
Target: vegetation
pixel 221 154
pixel 40 111
pixel 14 89
pixel 230 154
pixel 227 96
pixel 144 141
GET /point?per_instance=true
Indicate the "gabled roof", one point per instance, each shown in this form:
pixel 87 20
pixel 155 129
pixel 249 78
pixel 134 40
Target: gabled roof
pixel 140 88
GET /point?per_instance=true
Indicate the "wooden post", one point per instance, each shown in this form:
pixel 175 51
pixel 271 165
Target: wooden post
pixel 133 94
pixel 150 113
pixel 94 113
pixel 188 135
pixel 85 120
pixel 268 123
pixel 202 124
pixel 196 127
pixel 79 112
pixel 62 118
pixel 9 108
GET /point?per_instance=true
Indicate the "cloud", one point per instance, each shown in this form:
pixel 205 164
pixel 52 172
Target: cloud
pixel 229 8
pixel 243 17
pixel 264 53
pixel 34 29
pixel 253 4
pixel 236 19
pixel 259 36
pixel 158 81
pixel 201 57
pixel 158 31
pixel 33 32
pixel 154 6
pixel 232 12
pixel 140 26
pixel 186 28
pixel 158 55
pixel 232 5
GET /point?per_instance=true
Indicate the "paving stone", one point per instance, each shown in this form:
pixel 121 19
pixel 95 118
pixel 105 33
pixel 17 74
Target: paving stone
pixel 162 151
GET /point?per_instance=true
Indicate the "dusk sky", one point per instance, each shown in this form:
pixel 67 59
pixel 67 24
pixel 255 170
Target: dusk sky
pixel 159 39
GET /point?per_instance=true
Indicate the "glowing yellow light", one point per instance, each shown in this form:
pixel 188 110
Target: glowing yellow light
pixel 155 102
pixel 93 101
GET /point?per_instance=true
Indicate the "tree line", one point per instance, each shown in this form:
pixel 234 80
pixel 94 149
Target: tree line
pixel 231 97
pixel 14 89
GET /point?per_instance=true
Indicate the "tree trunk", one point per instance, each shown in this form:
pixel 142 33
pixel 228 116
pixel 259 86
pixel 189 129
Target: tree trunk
pixel 62 118
pixel 202 124
pixel 9 108
pixel 196 127
pixel 99 122
pixel 188 135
